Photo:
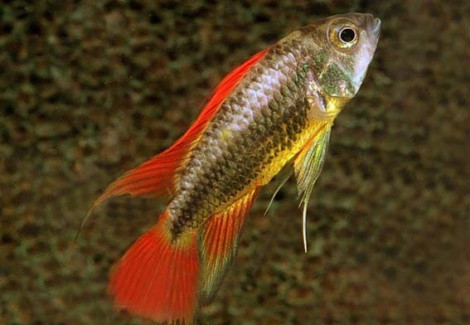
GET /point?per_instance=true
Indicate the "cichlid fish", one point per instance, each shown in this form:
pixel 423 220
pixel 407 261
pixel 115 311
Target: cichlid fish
pixel 274 110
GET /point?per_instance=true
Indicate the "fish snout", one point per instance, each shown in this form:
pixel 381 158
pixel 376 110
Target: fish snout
pixel 373 26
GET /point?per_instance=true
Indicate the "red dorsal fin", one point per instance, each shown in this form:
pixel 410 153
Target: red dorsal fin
pixel 218 244
pixel 158 176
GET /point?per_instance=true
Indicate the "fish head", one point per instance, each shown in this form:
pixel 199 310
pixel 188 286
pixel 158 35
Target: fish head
pixel 342 47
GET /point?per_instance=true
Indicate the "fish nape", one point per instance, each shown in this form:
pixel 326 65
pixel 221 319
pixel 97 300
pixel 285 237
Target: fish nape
pixel 273 112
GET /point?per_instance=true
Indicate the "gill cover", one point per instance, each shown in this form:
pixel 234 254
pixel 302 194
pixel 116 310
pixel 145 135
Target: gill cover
pixel 350 44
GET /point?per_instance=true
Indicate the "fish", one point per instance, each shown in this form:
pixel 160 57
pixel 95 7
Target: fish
pixel 272 112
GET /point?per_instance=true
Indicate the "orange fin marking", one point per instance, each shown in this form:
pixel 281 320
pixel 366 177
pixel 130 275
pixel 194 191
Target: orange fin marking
pixel 218 244
pixel 157 278
pixel 158 176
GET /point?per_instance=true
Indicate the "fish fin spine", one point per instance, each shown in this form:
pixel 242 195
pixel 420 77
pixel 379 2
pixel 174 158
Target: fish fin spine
pixel 218 242
pixel 157 278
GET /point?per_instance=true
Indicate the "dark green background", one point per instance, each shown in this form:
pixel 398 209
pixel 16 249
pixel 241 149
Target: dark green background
pixel 89 89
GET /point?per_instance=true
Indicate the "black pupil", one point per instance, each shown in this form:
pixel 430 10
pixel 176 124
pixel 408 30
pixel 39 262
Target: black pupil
pixel 347 35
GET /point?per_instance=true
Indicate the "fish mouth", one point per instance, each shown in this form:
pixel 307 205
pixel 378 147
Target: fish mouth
pixel 372 26
pixel 376 26
pixel 377 23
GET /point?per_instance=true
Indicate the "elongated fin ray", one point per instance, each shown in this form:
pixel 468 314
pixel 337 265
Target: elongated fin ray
pixel 218 244
pixel 283 177
pixel 307 168
pixel 304 226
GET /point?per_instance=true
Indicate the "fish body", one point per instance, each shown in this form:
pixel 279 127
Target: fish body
pixel 257 130
pixel 274 110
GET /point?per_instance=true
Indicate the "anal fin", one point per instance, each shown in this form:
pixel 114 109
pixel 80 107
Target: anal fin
pixel 218 244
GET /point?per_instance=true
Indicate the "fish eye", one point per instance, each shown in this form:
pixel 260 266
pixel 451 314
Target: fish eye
pixel 343 34
pixel 347 35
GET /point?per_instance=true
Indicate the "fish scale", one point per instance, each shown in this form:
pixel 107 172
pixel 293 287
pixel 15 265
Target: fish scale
pixel 277 125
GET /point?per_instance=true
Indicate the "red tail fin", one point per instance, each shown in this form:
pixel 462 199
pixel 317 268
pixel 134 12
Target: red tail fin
pixel 157 278
pixel 163 280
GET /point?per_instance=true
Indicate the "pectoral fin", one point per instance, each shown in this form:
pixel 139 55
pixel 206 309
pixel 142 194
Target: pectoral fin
pixel 307 168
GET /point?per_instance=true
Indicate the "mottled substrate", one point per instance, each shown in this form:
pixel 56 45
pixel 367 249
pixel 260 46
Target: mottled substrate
pixel 88 91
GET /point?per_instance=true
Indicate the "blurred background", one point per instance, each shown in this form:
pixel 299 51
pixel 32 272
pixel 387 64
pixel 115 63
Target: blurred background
pixel 89 89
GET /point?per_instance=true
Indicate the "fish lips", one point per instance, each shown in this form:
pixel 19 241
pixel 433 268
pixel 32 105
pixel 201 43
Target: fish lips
pixel 374 28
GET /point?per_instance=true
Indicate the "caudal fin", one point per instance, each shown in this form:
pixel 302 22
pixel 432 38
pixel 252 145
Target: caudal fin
pixel 157 279
pixel 165 280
